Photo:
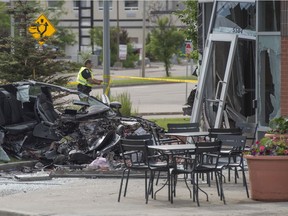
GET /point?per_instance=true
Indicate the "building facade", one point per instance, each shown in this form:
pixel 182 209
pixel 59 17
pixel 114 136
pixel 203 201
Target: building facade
pixel 244 60
pixel 82 16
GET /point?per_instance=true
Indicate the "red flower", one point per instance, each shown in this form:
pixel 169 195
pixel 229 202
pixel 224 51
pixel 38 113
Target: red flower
pixel 262 148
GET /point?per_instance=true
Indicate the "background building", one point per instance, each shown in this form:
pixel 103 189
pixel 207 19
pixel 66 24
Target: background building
pixel 83 15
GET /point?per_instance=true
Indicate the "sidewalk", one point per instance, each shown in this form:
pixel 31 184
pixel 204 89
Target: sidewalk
pixel 90 197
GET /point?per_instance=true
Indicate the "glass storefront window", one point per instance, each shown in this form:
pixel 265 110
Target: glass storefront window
pixel 269 67
pixel 269 16
pixel 235 18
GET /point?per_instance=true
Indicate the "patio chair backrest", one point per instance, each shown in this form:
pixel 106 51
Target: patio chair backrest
pixel 215 132
pixel 134 152
pixel 204 152
pixel 249 130
pixel 182 127
pixel 235 143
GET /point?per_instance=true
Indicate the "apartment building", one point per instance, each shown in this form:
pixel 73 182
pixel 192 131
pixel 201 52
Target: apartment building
pixel 83 15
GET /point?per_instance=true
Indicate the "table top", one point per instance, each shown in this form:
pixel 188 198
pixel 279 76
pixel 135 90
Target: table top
pixel 175 147
pixel 189 134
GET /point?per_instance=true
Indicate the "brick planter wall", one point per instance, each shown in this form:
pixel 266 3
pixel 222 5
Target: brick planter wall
pixel 284 59
pixel 284 76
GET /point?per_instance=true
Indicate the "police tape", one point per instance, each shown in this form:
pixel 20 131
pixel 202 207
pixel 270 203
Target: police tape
pixel 138 78
pixel 143 78
pixel 153 79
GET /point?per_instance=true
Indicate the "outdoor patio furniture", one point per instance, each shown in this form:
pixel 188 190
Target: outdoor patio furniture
pixel 201 163
pixel 249 130
pixel 137 157
pixel 215 132
pixel 232 156
pixel 182 128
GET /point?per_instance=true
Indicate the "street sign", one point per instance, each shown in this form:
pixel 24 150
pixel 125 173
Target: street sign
pixel 122 51
pixel 42 29
pixel 188 47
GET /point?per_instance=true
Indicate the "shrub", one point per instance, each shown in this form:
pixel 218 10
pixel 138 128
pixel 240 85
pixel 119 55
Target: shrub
pixel 124 99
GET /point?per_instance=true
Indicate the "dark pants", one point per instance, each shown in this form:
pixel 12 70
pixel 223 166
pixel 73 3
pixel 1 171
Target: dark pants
pixel 84 89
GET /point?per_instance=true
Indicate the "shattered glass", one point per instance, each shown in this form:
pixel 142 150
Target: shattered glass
pixel 235 18
pixel 269 53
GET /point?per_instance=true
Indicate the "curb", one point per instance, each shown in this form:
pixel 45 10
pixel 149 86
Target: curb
pixel 11 213
pixel 161 113
pixel 17 165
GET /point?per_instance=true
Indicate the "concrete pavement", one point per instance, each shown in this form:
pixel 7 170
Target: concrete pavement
pixel 90 197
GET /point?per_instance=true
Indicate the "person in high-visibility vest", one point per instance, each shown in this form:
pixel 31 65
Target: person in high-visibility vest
pixel 85 78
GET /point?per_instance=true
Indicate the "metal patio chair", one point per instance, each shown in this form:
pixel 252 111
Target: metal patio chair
pixel 231 154
pixel 137 157
pixel 201 163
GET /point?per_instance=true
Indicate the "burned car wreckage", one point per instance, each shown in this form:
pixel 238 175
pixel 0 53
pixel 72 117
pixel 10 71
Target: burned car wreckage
pixel 51 124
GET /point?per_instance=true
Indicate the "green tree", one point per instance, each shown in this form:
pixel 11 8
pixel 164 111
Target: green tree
pixel 4 21
pixel 21 55
pixel 189 16
pixel 165 40
pixel 97 38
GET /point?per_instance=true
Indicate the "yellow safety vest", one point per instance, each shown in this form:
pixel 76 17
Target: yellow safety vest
pixel 81 79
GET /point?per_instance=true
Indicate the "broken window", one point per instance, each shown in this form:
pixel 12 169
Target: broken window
pixel 235 18
pixel 269 91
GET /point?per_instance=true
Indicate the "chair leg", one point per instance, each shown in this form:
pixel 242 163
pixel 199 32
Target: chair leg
pixel 174 185
pixel 222 197
pixel 235 175
pixel 229 174
pixel 126 185
pixel 121 184
pixel 197 191
pixel 166 183
pixel 171 186
pixel 245 181
pixel 158 176
pixel 188 187
pixel 146 188
pixel 150 184
pixel 169 183
pixel 217 185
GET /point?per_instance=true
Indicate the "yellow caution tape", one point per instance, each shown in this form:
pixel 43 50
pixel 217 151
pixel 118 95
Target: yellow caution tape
pixel 154 79
pixel 143 78
pixel 107 90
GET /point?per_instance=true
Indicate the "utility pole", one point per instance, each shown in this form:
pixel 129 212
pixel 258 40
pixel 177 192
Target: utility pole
pixel 12 24
pixel 143 39
pixel 12 20
pixel 106 49
pixel 118 32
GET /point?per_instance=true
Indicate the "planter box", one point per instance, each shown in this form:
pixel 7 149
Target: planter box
pixel 268 177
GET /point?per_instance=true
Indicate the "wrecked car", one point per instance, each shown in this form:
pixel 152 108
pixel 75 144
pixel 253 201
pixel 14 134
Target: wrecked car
pixel 58 125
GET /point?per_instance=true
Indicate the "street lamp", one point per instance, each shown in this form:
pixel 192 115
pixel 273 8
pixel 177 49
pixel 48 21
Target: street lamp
pixel 118 31
pixel 143 39
pixel 106 48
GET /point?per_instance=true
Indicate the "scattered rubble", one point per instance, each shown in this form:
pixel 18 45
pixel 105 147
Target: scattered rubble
pixel 48 123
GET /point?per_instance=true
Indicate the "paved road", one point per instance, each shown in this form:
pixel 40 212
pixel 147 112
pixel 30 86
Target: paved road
pixel 158 98
pixel 162 98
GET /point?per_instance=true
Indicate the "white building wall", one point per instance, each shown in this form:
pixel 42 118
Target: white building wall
pixel 130 20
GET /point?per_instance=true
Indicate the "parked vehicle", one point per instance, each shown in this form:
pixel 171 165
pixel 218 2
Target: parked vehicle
pixel 51 123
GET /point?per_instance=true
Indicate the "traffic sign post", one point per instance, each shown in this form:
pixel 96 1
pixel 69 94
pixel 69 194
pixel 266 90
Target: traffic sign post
pixel 188 47
pixel 42 29
pixel 188 50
